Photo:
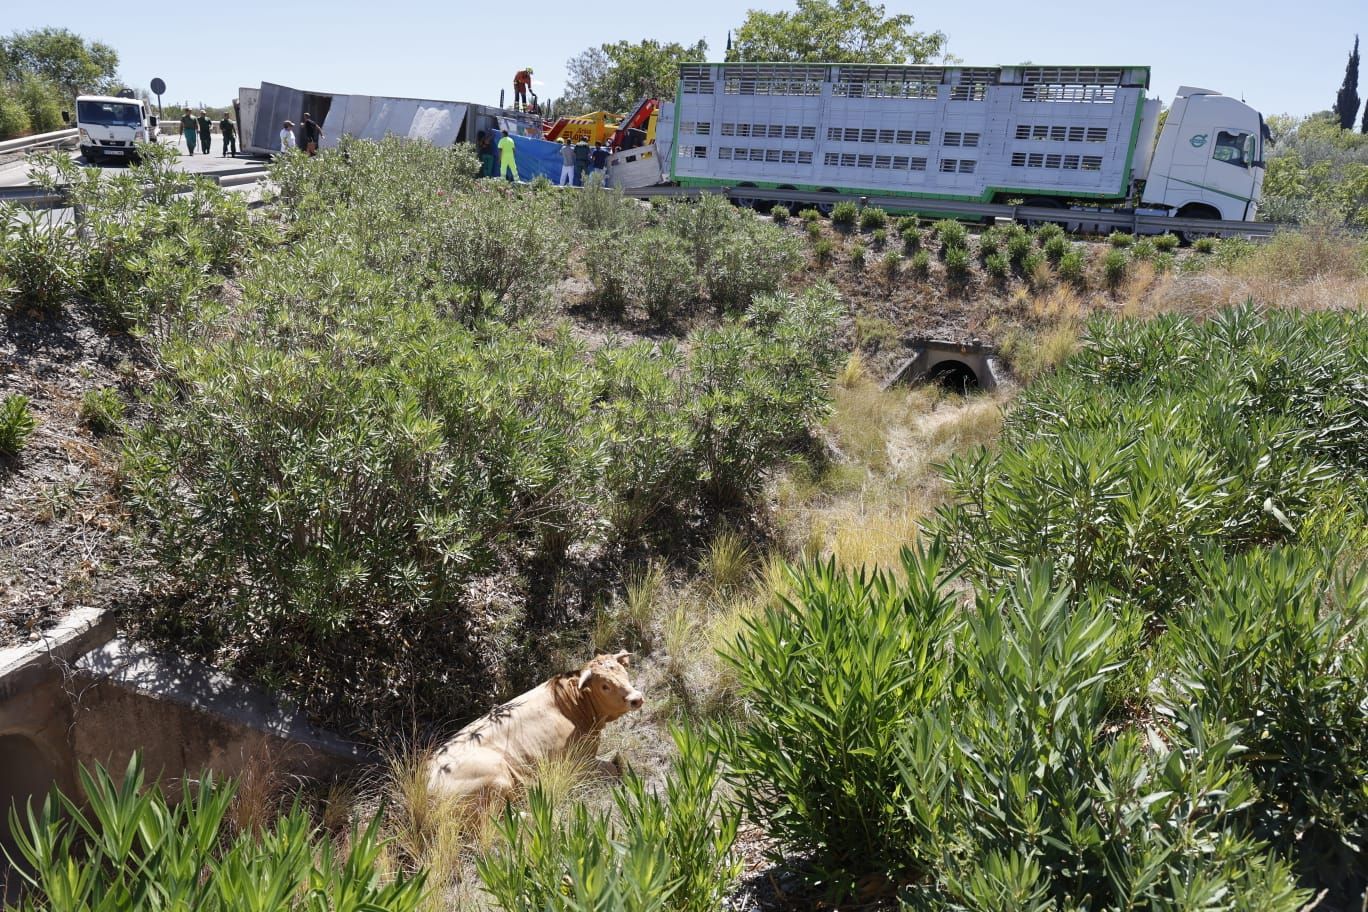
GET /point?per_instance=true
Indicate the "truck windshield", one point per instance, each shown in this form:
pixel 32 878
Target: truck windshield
pixel 108 114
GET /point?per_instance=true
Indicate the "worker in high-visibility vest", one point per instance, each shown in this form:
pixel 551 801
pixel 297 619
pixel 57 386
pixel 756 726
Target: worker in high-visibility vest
pixel 507 162
pixel 522 83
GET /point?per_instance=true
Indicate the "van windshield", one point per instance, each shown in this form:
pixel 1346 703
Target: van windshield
pixel 109 113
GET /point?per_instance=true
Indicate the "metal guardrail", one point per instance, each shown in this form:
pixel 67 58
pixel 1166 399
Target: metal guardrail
pixel 40 141
pixel 1130 221
pixel 42 198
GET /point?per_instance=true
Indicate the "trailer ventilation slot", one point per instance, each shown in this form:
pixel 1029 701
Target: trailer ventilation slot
pixel 1072 75
pixel 1070 93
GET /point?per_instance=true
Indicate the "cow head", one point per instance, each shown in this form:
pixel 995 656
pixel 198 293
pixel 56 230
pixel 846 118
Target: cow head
pixel 604 681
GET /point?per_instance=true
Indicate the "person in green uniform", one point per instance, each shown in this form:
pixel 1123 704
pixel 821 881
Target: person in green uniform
pixel 229 134
pixel 508 165
pixel 205 125
pixel 188 131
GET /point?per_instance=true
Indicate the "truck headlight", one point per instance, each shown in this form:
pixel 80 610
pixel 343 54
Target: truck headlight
pixel 81 132
pixel 140 136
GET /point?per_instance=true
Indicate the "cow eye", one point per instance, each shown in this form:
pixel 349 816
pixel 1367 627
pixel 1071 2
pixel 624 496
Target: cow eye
pixel 604 686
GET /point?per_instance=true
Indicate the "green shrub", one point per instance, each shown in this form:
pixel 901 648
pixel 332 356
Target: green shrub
pixel 857 256
pixel 890 267
pixel 464 450
pixel 814 230
pixel 125 844
pixel 749 260
pixel 907 224
pixel 39 256
pixel 1204 245
pixel 1071 268
pixel 1163 262
pixel 1055 247
pixel 14 120
pixel 1114 266
pixel 1036 268
pixel 617 265
pixel 920 264
pixel 42 101
pixel 1166 243
pixel 996 266
pixel 879 238
pixel 1120 239
pixel 990 243
pixel 780 214
pixel 844 214
pixel 818 791
pixel 951 233
pixel 872 217
pixel 810 214
pixel 16 423
pixel 1143 249
pixel 911 239
pixel 1047 232
pixel 961 752
pixel 1018 248
pixel 670 852
pixel 102 410
pixel 1277 647
pixel 823 251
pixel 1158 436
pixel 600 208
pixel 958 265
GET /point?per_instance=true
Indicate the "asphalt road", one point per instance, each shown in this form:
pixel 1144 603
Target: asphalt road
pixel 16 174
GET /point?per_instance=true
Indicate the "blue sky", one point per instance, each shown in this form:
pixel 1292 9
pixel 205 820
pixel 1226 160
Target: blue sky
pixel 1280 56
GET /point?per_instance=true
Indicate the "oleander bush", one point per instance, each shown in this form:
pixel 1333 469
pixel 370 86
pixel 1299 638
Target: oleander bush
pixel 872 217
pixel 462 450
pixel 951 233
pixel 127 845
pixel 1072 269
pixel 1157 437
pixel 1114 267
pixel 780 214
pixel 1120 239
pixel 1166 243
pixel 669 851
pixel 845 214
pixel 966 758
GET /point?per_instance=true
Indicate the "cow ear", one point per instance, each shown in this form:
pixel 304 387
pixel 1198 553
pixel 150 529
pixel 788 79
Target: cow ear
pixel 584 678
pixel 622 657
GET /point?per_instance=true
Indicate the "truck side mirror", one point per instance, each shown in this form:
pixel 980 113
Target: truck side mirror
pixel 66 117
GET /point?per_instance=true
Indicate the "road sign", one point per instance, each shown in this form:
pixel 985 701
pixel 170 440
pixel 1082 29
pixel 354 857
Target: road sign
pixel 158 87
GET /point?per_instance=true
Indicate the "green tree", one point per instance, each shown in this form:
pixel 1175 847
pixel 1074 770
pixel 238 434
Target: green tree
pixel 1347 101
pixel 614 77
pixel 42 101
pixel 61 56
pixel 14 120
pixel 834 31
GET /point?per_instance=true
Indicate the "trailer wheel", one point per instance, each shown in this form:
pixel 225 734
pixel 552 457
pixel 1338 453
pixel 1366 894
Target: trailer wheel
pixel 745 202
pixel 825 208
pixel 1197 211
pixel 1046 202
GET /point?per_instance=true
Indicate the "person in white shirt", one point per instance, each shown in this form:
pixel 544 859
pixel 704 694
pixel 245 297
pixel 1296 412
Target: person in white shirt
pixel 287 137
pixel 567 177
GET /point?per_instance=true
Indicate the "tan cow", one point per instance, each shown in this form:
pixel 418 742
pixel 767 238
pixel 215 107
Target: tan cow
pixel 490 756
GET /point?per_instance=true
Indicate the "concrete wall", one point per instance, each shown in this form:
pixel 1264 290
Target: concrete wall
pixel 79 696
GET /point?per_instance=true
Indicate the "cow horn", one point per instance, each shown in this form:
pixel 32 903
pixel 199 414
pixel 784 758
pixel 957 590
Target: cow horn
pixel 622 657
pixel 584 678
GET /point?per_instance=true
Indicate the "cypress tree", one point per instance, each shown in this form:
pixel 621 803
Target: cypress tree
pixel 1347 101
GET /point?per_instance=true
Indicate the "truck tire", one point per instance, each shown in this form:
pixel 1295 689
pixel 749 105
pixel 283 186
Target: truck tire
pixel 90 154
pixel 1196 211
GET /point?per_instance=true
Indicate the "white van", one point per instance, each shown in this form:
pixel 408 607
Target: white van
pixel 108 127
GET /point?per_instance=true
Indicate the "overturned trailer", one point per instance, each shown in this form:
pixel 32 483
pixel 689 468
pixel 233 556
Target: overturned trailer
pixel 262 111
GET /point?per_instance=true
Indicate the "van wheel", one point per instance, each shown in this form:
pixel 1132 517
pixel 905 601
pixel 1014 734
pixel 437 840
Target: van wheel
pixel 825 208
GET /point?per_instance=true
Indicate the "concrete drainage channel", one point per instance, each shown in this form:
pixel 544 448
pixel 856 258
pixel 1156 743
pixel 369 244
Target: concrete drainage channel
pixel 81 695
pixel 961 367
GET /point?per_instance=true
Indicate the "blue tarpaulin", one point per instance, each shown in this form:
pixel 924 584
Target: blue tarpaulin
pixel 536 157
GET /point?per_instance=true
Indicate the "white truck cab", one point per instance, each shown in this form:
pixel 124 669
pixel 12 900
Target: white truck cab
pixel 1209 162
pixel 109 127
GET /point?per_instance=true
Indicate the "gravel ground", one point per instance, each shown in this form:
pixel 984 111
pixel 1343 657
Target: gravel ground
pixel 62 539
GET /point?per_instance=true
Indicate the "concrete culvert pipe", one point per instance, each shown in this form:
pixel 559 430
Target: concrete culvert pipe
pixel 955 376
